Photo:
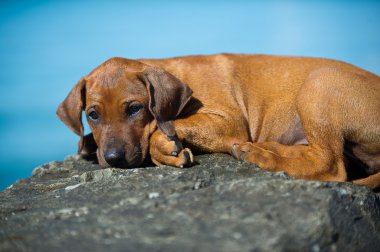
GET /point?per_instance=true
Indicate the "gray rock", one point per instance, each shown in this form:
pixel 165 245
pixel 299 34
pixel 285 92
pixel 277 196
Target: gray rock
pixel 218 205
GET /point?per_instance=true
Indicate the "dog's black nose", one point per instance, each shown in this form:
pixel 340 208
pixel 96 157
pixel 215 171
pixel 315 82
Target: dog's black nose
pixel 115 157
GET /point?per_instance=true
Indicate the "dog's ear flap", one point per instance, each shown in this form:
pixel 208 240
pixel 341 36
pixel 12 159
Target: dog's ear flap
pixel 70 111
pixel 168 96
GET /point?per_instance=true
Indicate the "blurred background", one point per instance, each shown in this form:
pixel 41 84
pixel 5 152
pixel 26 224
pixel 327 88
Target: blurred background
pixel 46 46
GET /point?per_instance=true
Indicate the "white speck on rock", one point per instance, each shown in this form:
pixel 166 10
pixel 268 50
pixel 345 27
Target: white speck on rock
pixel 153 195
pixel 69 188
pixel 315 248
pixel 197 184
pixel 236 235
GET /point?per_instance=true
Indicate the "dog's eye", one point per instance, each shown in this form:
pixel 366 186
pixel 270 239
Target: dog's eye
pixel 134 109
pixel 93 115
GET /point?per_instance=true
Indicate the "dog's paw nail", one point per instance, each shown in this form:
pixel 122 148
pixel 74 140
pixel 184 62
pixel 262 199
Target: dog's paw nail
pixel 242 155
pixel 186 156
pixel 233 153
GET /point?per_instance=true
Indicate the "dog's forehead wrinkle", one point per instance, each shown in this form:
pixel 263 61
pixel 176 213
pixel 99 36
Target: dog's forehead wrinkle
pixel 101 89
pixel 118 81
pixel 96 97
pixel 110 78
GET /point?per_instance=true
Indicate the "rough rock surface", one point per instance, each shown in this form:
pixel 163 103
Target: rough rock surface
pixel 218 205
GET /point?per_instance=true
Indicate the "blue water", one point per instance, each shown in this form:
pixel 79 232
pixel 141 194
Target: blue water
pixel 46 46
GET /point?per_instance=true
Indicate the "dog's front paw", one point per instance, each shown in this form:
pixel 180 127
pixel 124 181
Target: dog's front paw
pixel 169 151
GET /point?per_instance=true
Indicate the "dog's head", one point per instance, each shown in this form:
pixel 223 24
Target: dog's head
pixel 124 101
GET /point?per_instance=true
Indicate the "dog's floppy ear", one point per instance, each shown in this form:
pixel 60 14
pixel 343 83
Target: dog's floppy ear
pixel 70 111
pixel 168 96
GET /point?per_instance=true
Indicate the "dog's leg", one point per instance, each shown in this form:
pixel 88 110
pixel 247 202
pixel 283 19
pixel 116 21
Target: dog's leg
pixel 372 181
pixel 201 132
pixel 334 105
pixel 322 106
pixel 306 162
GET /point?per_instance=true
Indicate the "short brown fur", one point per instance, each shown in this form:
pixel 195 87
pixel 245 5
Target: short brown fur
pixel 292 114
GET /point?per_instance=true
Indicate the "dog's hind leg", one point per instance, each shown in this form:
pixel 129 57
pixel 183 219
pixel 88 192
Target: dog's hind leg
pixel 372 181
pixel 313 162
pixel 334 106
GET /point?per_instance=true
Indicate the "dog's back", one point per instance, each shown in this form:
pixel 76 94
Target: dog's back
pixel 246 86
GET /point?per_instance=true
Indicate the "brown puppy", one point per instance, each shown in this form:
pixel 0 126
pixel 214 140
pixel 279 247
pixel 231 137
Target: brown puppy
pixel 304 116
